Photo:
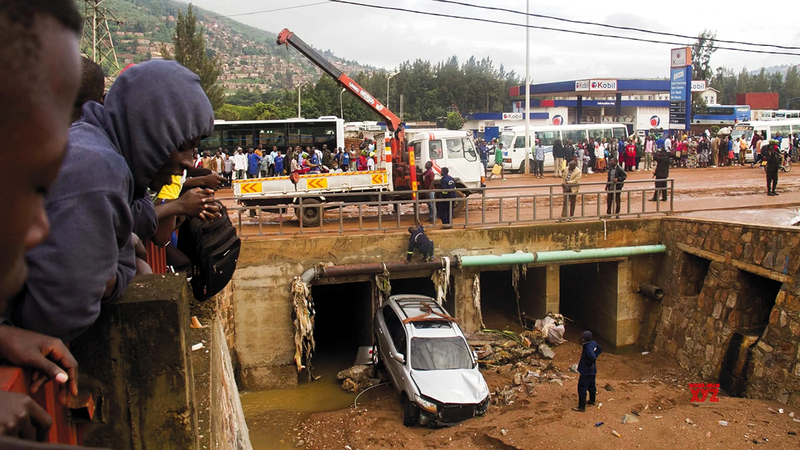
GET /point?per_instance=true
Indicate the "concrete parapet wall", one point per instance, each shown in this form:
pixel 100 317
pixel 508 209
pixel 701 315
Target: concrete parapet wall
pixel 262 305
pixel 135 360
pixel 721 277
pixel 228 427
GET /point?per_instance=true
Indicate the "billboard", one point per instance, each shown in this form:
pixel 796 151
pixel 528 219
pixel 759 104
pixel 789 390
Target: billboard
pixel 680 87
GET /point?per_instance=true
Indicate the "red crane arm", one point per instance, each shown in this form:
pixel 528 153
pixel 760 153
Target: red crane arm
pixel 286 37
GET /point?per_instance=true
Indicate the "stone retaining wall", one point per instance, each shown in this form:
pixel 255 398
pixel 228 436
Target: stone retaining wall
pixel 750 282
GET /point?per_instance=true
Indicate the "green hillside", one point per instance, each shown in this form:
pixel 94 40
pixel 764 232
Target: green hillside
pixel 251 59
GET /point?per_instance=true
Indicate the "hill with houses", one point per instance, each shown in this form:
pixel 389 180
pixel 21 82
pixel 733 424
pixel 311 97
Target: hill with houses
pixel 250 58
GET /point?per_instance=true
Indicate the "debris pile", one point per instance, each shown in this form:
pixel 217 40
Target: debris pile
pixel 552 328
pixel 358 377
pixel 497 348
pixel 524 357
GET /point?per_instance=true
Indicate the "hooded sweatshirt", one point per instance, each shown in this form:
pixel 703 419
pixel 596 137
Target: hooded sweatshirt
pixel 112 155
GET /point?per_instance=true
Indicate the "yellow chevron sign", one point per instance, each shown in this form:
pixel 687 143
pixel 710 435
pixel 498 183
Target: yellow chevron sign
pixel 251 188
pixel 317 183
pixel 379 178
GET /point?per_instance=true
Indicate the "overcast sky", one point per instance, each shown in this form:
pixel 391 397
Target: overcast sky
pixel 387 38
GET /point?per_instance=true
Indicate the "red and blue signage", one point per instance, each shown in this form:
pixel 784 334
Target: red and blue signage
pixel 655 121
pixel 558 120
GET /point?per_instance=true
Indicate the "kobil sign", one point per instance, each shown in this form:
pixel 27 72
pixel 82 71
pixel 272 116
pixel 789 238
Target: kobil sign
pixel 680 88
pixel 596 85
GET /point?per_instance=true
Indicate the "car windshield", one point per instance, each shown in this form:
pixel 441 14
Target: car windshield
pixel 440 354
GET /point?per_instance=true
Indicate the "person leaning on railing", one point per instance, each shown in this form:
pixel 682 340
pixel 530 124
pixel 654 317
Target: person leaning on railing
pixel 39 80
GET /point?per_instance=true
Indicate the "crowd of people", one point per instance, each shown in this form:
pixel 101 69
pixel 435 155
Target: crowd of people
pixel 260 163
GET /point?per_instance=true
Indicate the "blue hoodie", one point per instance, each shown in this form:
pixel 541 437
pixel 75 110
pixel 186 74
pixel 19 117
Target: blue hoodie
pixel 112 155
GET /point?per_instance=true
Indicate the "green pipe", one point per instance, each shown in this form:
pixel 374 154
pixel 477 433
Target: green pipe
pixel 559 255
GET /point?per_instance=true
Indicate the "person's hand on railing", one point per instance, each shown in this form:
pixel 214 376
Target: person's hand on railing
pixel 47 356
pixel 21 417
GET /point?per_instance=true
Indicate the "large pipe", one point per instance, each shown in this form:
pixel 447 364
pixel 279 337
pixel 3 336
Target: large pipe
pixel 559 255
pixel 369 269
pixel 315 272
pixel 654 292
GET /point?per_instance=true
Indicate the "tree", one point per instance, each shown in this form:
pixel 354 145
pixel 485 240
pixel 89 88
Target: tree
pixel 701 65
pixel 454 121
pixel 190 51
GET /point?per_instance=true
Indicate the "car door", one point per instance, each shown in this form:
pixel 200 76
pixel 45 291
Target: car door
pixel 392 342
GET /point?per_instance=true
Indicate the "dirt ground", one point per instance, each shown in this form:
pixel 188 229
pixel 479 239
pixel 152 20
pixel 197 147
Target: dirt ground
pixel 542 418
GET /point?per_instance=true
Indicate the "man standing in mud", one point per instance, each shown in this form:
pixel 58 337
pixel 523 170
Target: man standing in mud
pixel 587 368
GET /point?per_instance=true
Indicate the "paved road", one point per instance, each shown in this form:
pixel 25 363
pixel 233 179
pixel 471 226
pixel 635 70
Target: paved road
pixel 714 193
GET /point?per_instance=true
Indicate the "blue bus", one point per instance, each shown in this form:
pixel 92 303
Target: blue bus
pixel 722 115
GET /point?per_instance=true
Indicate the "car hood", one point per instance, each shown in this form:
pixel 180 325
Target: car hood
pixel 464 386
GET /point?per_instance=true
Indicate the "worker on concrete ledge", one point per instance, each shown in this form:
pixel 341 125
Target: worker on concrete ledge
pixel 421 242
pixel 587 368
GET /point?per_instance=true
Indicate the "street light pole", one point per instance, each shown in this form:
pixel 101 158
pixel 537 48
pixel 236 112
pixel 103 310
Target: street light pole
pixel 387 86
pixel 527 90
pixel 341 105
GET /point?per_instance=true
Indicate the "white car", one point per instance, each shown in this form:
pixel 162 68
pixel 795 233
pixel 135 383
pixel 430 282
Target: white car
pixel 429 361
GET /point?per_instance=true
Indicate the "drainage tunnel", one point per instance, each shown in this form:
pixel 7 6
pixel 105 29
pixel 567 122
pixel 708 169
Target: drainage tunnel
pixel 589 298
pixel 343 322
pixel 499 300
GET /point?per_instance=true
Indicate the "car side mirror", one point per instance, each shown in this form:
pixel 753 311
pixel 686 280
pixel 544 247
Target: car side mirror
pixel 399 358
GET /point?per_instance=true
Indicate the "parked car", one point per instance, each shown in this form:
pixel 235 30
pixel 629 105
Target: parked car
pixel 429 361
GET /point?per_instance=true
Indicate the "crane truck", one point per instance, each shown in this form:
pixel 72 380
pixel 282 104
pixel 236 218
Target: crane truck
pixel 395 177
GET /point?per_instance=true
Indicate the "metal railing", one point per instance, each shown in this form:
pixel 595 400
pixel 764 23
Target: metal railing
pixel 483 207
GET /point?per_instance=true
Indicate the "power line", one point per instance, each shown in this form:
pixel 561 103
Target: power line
pixel 616 27
pixel 538 27
pixel 268 10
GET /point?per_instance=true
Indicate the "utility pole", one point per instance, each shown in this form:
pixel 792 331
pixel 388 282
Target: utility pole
pixel 299 88
pixel 96 41
pixel 527 90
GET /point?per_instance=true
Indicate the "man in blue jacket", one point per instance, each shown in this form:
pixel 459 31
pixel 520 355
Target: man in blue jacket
pixel 587 368
pixel 421 242
pixel 153 117
pixel 448 186
pixel 253 161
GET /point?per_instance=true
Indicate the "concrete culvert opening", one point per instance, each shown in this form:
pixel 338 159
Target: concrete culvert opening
pixel 498 301
pixel 343 322
pixel 588 297
pixel 755 299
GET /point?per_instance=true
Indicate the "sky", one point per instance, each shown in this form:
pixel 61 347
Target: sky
pixel 385 39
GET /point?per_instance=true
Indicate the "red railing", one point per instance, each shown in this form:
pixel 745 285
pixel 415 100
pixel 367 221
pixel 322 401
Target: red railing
pixel 63 431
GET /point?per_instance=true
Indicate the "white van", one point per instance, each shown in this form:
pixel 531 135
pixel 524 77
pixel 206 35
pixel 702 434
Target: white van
pixel 452 149
pixel 767 129
pixel 513 139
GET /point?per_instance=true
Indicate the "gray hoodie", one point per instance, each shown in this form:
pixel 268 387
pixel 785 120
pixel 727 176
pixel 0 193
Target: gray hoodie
pixel 113 153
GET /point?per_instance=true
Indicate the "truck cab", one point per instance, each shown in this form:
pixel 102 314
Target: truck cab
pixel 452 149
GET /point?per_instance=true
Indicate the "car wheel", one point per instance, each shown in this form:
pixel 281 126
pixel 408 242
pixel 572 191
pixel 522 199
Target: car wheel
pixel 410 412
pixel 376 356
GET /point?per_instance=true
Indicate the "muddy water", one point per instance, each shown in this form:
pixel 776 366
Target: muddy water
pixel 274 416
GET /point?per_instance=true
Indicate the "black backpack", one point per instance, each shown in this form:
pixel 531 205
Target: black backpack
pixel 213 248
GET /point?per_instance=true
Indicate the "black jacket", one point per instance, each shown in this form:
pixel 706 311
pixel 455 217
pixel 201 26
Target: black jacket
pixel 773 160
pixel 588 362
pixel 420 241
pixel 662 165
pixel 558 150
pixel 618 174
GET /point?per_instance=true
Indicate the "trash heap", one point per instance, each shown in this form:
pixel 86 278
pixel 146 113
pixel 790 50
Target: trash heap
pixel 359 377
pixel 524 357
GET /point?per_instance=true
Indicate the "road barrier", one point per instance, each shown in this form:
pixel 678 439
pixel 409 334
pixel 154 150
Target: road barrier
pixel 488 206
